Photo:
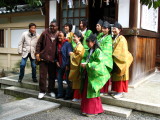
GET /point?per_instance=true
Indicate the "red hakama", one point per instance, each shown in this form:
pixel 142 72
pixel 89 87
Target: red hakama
pixel 90 105
pixel 120 86
pixel 105 87
pixel 77 94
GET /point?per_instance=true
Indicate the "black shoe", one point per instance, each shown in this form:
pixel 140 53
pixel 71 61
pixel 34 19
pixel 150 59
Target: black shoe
pixel 35 80
pixel 19 80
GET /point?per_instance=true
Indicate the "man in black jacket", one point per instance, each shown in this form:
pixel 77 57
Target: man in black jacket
pixel 45 55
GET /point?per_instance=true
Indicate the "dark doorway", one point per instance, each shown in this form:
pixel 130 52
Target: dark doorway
pixel 101 11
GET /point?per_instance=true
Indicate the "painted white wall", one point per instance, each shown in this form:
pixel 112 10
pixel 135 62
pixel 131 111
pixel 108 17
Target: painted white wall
pixel 139 14
pixel 16 36
pixel 149 20
pixel 123 13
pixel 52 10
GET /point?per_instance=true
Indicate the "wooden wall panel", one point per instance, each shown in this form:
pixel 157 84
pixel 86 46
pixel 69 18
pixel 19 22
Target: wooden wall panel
pixel 158 53
pixel 144 53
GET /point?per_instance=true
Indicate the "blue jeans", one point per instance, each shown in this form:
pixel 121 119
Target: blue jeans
pixel 61 73
pixel 23 64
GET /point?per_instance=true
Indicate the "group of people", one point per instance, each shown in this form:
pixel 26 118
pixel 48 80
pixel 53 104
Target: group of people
pixel 88 62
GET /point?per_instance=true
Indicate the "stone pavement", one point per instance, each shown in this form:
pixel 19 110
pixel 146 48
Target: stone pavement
pixel 5 98
pixel 149 91
pixel 21 108
pixel 147 94
pixel 65 113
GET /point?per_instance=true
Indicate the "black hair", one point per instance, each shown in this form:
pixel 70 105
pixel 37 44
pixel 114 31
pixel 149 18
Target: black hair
pixel 79 34
pixel 62 32
pixel 54 21
pixel 118 25
pixel 31 24
pixel 69 25
pixel 84 22
pixel 93 38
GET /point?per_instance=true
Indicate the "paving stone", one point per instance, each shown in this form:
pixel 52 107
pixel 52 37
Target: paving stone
pixel 21 108
pixel 118 111
pixel 21 92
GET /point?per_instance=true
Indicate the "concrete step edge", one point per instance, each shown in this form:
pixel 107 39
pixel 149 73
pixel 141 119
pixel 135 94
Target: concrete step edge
pixel 12 82
pixel 25 93
pixel 132 104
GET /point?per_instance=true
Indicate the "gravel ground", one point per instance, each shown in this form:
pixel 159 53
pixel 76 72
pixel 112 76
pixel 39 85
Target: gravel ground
pixel 65 113
pixel 5 98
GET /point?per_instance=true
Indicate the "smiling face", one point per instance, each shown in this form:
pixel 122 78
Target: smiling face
pixel 66 28
pixel 53 27
pixel 76 39
pixel 60 37
pixel 98 27
pixel 105 30
pixel 32 29
pixel 116 31
pixel 82 26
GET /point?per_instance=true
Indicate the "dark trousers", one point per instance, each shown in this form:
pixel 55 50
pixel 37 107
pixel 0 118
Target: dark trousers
pixel 47 68
pixel 23 64
pixel 61 72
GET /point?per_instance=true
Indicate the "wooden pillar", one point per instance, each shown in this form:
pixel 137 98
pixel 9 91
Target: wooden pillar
pixel 46 13
pixel 133 14
pixel 132 40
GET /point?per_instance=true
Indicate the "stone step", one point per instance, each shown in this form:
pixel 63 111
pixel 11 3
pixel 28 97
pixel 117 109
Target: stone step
pixel 25 93
pixel 25 107
pixel 13 81
pixel 132 104
pixel 118 111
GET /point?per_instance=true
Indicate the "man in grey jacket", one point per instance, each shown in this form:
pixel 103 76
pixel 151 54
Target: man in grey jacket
pixel 26 48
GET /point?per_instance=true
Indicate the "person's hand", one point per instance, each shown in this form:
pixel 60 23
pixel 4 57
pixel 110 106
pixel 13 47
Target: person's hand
pixel 70 53
pixel 58 64
pixel 83 65
pixel 38 57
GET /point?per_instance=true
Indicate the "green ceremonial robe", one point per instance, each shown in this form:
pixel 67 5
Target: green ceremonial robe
pixel 97 73
pixel 86 35
pixel 99 35
pixel 105 43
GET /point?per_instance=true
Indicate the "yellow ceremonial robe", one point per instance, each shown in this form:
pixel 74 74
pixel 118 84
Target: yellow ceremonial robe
pixel 122 59
pixel 75 61
pixel 70 37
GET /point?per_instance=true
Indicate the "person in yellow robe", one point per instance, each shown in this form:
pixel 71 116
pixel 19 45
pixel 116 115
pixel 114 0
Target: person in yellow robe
pixel 122 60
pixel 75 60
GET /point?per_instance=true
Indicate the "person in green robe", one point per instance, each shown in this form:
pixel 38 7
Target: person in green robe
pixel 105 42
pixel 99 29
pixel 94 76
pixel 85 32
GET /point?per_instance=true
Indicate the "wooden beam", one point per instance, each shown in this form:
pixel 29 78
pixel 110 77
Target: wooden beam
pixel 20 14
pixel 140 32
pixel 46 13
pixel 133 14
